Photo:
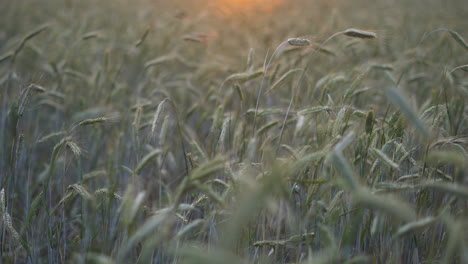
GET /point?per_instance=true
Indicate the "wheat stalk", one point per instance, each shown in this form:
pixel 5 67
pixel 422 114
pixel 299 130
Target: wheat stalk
pixel 74 148
pixel 7 218
pixel 159 110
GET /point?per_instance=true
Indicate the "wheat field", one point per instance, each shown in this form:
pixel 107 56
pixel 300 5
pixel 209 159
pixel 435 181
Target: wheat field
pixel 204 131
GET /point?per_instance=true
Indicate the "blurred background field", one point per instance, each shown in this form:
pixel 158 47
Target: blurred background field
pixel 192 131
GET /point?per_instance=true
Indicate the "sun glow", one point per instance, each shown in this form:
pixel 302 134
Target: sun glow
pixel 242 6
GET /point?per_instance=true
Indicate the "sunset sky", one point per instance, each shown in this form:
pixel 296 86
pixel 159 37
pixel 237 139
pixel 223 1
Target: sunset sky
pixel 233 6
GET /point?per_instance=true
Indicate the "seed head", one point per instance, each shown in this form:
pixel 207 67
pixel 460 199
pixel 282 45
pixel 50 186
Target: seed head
pixel 298 42
pixel 357 33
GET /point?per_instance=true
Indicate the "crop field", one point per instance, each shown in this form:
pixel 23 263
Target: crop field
pixel 233 131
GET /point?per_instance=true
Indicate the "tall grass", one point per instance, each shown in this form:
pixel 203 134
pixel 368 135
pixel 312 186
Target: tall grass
pixel 170 132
